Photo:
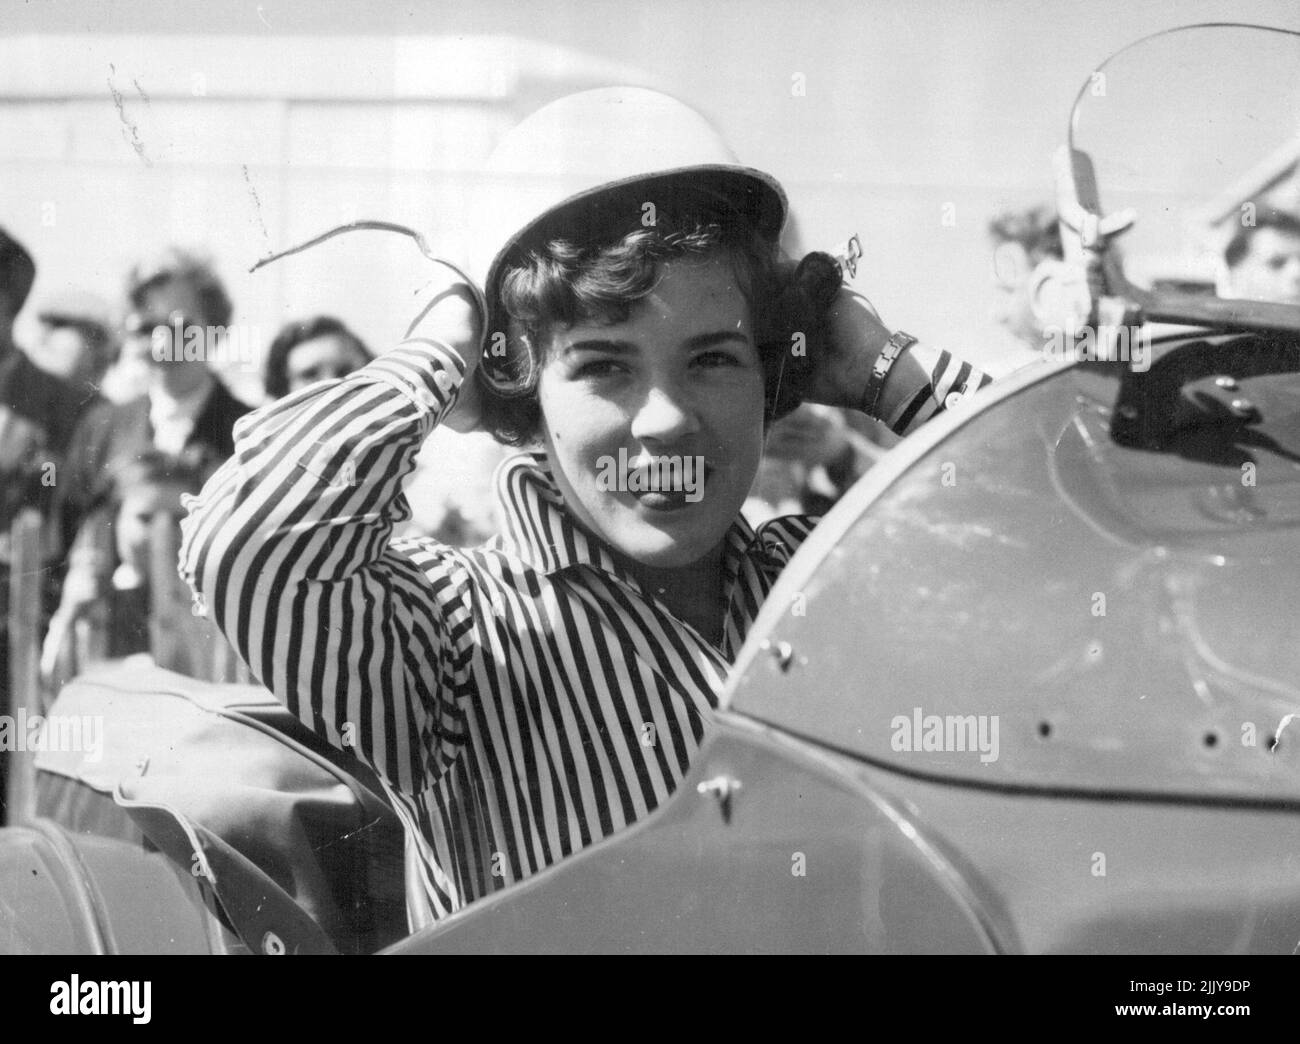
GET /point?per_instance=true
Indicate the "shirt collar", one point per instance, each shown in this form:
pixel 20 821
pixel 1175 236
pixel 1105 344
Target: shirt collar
pixel 165 406
pixel 539 529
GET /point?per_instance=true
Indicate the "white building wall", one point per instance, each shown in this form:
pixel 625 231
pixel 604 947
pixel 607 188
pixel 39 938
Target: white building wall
pixel 134 146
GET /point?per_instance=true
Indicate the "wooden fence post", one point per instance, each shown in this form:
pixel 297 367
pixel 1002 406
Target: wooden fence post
pixel 26 572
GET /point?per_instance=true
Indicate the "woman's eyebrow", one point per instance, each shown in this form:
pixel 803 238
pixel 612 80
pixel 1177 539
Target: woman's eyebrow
pixel 600 345
pixel 616 347
pixel 708 340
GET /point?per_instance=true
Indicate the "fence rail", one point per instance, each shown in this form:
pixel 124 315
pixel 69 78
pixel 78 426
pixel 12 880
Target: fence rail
pixel 24 636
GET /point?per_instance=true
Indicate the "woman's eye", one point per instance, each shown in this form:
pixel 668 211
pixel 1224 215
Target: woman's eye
pixel 597 368
pixel 715 358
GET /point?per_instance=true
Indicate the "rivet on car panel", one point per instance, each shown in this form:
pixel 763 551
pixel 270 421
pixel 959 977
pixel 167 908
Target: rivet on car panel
pixel 782 652
pixel 723 788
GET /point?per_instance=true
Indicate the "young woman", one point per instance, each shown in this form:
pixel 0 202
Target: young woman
pixel 309 350
pixel 525 699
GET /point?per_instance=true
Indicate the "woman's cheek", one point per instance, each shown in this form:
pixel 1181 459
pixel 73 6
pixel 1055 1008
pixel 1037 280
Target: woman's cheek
pixel 584 419
pixel 742 406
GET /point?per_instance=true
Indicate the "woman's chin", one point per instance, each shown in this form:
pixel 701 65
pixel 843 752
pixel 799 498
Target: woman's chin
pixel 666 558
pixel 666 540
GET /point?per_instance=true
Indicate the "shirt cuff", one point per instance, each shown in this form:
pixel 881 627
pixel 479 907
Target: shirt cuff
pixel 427 373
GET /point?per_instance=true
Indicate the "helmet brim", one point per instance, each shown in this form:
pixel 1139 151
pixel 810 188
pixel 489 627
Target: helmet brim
pixel 746 196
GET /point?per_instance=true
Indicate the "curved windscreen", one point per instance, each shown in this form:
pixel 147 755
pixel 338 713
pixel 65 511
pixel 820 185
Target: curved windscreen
pixel 1197 130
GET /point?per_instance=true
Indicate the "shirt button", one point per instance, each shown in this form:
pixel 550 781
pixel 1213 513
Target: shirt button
pixel 953 399
pixel 442 380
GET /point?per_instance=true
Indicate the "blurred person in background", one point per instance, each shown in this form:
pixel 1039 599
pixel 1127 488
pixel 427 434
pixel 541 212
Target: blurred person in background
pixel 812 457
pixel 1263 260
pixel 38 411
pixel 150 486
pixel 187 412
pixel 316 349
pixel 76 341
pixel 128 374
pixel 454 505
pixel 1022 239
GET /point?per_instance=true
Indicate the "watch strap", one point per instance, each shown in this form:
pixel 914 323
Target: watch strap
pixel 897 344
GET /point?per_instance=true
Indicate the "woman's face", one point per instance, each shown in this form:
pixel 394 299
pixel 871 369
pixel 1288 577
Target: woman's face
pixel 321 359
pixel 670 399
pixel 135 516
pixel 168 315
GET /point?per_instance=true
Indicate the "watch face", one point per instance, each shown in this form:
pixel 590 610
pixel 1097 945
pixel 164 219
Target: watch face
pixel 900 342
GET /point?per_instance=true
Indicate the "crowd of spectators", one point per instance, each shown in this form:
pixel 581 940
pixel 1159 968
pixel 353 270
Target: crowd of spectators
pixel 102 429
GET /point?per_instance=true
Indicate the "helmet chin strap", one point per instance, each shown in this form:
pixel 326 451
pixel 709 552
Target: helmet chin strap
pixel 776 392
pixel 480 302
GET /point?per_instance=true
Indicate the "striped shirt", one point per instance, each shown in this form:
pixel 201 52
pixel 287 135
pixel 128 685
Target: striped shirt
pixel 950 380
pixel 520 700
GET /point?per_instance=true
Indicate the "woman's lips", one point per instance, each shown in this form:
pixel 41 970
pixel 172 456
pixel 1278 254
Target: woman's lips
pixel 660 500
pixel 651 492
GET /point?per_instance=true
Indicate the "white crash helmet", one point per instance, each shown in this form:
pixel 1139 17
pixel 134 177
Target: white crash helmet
pixel 600 156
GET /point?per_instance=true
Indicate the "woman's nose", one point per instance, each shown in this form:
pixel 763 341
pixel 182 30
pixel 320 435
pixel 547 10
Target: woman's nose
pixel 667 414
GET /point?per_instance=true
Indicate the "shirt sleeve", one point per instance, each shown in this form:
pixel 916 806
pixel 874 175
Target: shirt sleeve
pixel 287 550
pixel 934 380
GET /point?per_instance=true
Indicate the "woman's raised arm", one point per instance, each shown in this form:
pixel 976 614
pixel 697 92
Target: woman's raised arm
pixel 287 549
pixel 888 376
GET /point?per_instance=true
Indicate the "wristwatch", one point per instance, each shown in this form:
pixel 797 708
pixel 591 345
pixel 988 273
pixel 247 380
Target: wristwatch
pixel 897 344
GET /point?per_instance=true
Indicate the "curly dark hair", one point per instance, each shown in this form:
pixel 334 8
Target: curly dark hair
pixel 275 375
pixel 178 265
pixel 563 282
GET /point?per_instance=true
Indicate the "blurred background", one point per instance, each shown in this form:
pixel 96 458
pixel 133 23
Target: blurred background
pixel 243 128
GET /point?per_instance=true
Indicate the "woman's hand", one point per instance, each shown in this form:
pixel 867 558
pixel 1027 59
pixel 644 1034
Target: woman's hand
pixel 855 336
pixel 449 313
pixel 83 588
